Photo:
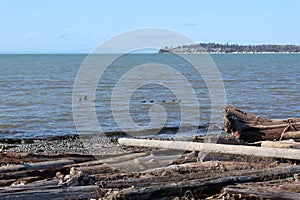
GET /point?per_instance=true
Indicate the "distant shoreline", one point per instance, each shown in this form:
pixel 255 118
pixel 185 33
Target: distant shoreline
pixel 216 48
pixel 249 53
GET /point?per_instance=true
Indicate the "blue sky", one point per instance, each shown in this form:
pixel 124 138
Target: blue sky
pixel 79 26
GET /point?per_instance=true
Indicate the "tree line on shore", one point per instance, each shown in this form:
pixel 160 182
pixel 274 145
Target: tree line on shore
pixel 231 48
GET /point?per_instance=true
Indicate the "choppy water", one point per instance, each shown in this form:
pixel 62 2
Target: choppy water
pixel 36 91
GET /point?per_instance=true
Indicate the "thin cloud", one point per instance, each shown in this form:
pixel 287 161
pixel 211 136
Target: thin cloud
pixel 85 38
pixel 190 24
pixel 63 37
pixel 209 9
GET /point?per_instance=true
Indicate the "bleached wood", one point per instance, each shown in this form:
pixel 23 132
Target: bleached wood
pixel 262 193
pixel 291 135
pixel 35 166
pixel 78 192
pixel 280 144
pixel 214 148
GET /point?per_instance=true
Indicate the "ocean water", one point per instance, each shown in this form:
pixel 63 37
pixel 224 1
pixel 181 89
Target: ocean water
pixel 36 92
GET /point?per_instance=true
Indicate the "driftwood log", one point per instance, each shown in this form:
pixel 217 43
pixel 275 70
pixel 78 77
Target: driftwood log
pixel 78 192
pixel 275 189
pixel 261 193
pixel 36 166
pixel 200 187
pixel 214 148
pixel 252 128
pixel 66 179
pixel 281 144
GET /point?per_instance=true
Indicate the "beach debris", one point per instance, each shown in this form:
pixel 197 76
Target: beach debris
pixel 107 178
pixel 297 177
pixel 287 153
pixel 75 178
pixel 252 128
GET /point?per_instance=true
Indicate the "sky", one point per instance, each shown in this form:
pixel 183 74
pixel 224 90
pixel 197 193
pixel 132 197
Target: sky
pixel 78 26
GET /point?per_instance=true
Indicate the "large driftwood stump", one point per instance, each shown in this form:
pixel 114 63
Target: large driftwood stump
pixel 252 128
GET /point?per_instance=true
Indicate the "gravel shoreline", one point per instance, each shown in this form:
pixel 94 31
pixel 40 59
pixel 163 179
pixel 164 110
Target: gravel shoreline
pixel 84 145
pixel 63 145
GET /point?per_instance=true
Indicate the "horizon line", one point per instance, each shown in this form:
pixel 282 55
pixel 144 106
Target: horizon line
pixel 88 52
